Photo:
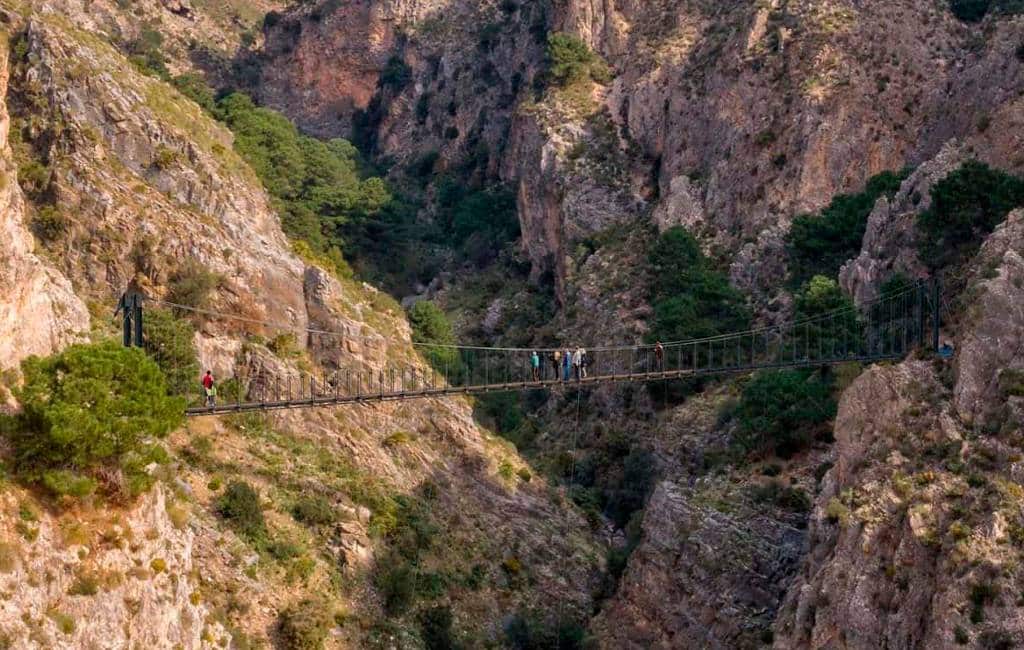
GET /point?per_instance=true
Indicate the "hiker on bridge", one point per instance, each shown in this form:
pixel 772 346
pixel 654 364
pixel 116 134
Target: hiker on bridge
pixel 577 363
pixel 659 355
pixel 566 365
pixel 556 362
pixel 209 389
pixel 535 365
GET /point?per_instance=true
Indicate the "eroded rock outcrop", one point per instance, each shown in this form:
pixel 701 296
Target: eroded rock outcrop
pixel 39 311
pixel 990 364
pixel 102 581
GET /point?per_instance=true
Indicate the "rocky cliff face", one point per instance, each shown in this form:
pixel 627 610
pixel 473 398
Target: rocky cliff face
pixel 914 538
pixel 742 115
pixel 141 186
pixel 730 120
pixel 140 560
pixel 39 312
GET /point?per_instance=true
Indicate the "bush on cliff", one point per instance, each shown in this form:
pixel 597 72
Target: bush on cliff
pixel 431 326
pixel 690 298
pixel 317 186
pixel 784 411
pixel 170 342
pixel 966 206
pixel 571 61
pixel 819 244
pixel 91 412
pixel 973 11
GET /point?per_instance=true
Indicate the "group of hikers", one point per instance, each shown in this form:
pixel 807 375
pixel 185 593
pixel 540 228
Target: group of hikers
pixel 566 364
pixel 569 363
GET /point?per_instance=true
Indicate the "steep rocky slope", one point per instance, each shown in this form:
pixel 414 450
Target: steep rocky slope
pixel 138 185
pixel 729 120
pixel 915 537
pixel 38 309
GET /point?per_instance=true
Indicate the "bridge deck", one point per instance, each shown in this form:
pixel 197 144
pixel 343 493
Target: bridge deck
pixel 336 399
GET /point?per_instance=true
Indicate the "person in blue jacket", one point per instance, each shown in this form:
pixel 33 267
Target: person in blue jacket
pixel 566 364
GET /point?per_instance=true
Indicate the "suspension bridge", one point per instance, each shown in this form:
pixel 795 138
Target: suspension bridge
pixel 887 328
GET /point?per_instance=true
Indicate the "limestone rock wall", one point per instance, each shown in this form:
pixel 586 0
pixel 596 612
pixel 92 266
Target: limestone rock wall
pixel 39 311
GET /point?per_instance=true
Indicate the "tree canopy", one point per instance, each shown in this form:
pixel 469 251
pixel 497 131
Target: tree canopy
pixel 819 244
pixel 90 406
pixel 690 298
pixel 966 206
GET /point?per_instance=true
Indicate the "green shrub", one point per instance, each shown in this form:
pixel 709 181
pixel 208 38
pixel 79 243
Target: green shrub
pixel 65 622
pixel 430 325
pixel 825 337
pixel 997 640
pixel 63 482
pixel 524 632
pixel 966 206
pixel 783 411
pixel 305 625
pixel 89 406
pixel 170 341
pixel 628 494
pixel 819 244
pixel 314 511
pixel 981 595
pixel 436 628
pixel 690 299
pixel 240 506
pixel 483 222
pixel 413 530
pixel 973 11
pixel 283 550
pixel 570 61
pixel 970 10
pixel 192 284
pixel 145 53
pixel 193 86
pixel 960 635
pixel 395 578
pixel 317 186
pixel 85 585
pixel 396 74
pixel 49 223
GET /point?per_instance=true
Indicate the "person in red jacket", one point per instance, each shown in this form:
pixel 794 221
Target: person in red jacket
pixel 209 389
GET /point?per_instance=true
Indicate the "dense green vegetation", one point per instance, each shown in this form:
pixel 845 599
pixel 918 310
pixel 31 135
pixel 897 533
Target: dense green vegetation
pixel 191 285
pixel 170 342
pixel 481 221
pixel 400 576
pixel 819 244
pixel 305 625
pixel 841 330
pixel 784 411
pixel 430 325
pixel 973 11
pixel 240 506
pixel 570 61
pixel 194 87
pixel 436 629
pixel 690 298
pixel 966 206
pixel 614 477
pixel 317 186
pixel 89 413
pixel 530 632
